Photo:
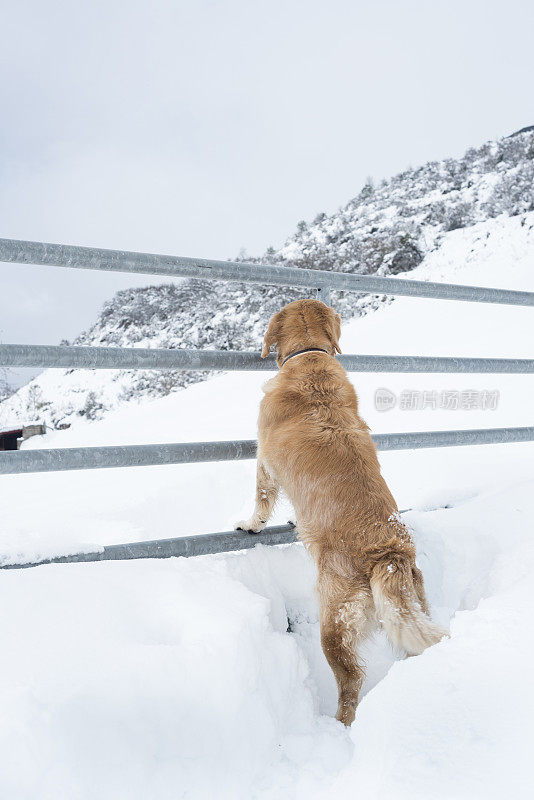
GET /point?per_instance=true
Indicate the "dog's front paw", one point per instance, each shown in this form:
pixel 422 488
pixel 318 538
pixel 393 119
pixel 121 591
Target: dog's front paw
pixel 249 525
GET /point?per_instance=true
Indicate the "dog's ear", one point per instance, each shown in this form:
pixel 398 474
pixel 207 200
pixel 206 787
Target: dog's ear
pixel 271 337
pixel 334 331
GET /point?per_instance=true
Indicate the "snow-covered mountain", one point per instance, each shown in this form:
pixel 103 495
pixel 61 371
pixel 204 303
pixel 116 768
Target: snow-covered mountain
pixel 386 230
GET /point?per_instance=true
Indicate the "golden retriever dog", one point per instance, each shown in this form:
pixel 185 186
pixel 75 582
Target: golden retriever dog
pixel 313 444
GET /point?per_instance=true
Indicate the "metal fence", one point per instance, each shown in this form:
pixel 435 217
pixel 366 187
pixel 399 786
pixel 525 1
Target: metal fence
pixel 43 355
pixel 319 282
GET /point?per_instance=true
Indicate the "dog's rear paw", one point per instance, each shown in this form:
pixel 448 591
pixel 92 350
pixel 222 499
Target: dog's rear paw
pixel 249 525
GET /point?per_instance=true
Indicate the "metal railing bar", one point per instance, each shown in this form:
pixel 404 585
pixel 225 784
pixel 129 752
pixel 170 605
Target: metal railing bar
pixel 458 438
pixel 186 546
pixel 144 455
pixel 58 255
pixel 54 356
pixel 180 546
pixel 137 455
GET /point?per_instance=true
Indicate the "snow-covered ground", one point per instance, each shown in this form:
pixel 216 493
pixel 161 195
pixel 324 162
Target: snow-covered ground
pixel 180 678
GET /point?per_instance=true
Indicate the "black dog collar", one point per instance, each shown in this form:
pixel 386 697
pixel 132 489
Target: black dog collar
pixel 308 350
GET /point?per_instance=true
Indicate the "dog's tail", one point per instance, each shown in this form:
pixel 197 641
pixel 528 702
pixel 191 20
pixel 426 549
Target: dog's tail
pixel 400 608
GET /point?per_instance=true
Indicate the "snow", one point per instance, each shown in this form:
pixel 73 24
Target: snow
pixel 204 677
pixel 178 679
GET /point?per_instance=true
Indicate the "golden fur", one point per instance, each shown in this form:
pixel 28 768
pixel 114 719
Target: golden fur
pixel 313 443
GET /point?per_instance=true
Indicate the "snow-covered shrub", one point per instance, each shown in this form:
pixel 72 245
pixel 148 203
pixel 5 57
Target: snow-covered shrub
pixel 93 409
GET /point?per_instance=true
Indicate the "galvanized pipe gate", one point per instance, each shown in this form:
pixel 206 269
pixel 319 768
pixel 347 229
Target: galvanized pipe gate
pixel 320 282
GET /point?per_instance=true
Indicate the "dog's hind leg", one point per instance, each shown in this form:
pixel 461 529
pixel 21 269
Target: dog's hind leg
pixel 267 489
pixel 346 620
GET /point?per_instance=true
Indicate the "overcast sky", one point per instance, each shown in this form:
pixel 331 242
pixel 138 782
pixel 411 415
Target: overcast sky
pixel 203 127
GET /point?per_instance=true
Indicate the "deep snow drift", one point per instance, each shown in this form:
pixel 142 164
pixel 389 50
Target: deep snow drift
pixel 178 678
pixel 204 677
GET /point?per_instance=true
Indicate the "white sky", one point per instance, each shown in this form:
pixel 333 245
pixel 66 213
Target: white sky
pixel 198 128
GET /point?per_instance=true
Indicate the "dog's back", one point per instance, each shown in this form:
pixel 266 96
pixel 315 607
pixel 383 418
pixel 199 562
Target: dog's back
pixel 313 438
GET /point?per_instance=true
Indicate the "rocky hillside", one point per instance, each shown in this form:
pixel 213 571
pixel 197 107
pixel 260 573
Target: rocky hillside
pixel 385 230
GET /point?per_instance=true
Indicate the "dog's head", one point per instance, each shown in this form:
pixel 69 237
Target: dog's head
pixel 302 324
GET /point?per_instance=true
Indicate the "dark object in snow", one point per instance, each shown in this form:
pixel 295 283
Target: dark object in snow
pixel 10 440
